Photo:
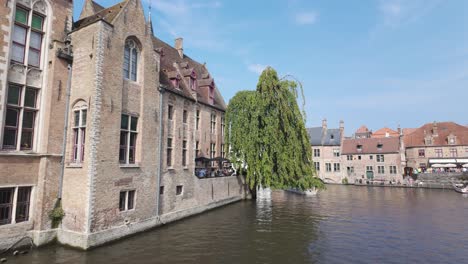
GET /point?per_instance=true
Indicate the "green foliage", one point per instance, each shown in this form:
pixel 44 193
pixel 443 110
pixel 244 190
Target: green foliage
pixel 267 135
pixel 57 214
pixel 344 181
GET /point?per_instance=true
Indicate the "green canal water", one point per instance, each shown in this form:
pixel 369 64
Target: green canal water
pixel 343 224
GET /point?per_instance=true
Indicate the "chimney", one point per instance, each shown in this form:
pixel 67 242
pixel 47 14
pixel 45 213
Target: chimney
pixel 341 126
pixel 324 124
pixel 434 129
pixel 399 130
pixel 179 46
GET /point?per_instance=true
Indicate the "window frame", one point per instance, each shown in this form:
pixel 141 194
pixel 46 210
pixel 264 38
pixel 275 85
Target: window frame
pixel 21 108
pixel 129 200
pixel 328 167
pixel 79 133
pixel 169 148
pixel 380 158
pixel 421 153
pixel 184 153
pixel 127 147
pixel 130 67
pixel 336 167
pixel 213 123
pixel 381 169
pixel 15 205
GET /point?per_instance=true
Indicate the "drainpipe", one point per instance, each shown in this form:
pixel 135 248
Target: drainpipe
pixel 65 132
pixel 161 94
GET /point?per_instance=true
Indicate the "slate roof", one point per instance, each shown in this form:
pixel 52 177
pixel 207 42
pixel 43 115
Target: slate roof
pixel 319 136
pixel 444 129
pixel 370 146
pixel 172 64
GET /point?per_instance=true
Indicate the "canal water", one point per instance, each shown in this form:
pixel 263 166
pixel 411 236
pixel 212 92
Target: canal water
pixel 343 224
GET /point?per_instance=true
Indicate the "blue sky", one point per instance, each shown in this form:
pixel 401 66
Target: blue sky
pixel 373 62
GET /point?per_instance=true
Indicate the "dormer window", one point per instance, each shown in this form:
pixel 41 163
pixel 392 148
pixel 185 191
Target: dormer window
pixel 359 147
pixel 452 140
pixel 428 141
pixel 379 146
pixel 332 136
pixel 193 81
pixel 130 66
pixel 212 92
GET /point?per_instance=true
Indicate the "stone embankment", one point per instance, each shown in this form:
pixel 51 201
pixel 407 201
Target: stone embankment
pixel 426 180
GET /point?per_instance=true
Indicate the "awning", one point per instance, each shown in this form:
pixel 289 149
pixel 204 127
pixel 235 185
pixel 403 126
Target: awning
pixel 462 160
pixel 442 161
pixel 437 165
pixel 465 166
pixel 450 165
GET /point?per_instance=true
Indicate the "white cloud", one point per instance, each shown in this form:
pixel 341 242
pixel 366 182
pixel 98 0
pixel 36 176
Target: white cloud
pixel 256 68
pixel 398 12
pixel 306 18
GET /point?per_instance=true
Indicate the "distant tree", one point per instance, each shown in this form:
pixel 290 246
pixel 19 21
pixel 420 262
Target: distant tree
pixel 267 135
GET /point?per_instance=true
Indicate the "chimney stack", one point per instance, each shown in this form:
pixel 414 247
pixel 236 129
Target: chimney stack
pixel 341 125
pixel 179 46
pixel 435 131
pixel 324 124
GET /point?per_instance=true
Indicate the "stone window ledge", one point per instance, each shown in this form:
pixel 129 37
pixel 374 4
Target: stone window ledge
pixel 21 224
pixel 75 165
pixel 130 166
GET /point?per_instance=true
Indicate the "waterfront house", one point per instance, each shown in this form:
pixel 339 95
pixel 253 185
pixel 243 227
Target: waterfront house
pixel 326 151
pixel 437 145
pixel 373 159
pixel 105 119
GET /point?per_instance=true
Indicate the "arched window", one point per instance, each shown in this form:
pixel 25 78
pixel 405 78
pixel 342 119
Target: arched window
pixel 79 131
pixel 130 66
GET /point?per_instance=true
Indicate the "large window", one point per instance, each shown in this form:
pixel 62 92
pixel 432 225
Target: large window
pixel 184 153
pixel 27 37
pixel 130 65
pixel 213 153
pixel 197 123
pixel 169 152
pixel 14 211
pixel 439 153
pixel 317 166
pixel 336 167
pixel 316 152
pixel 127 200
pixel 79 133
pixel 393 170
pixel 453 153
pixel 381 169
pixel 328 167
pixel 336 152
pixel 128 137
pixel 380 158
pixel 422 153
pixel 21 113
pixel 213 123
pixel 223 126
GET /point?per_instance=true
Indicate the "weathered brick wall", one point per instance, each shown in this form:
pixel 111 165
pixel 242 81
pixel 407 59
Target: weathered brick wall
pixel 327 156
pixel 414 161
pixel 393 159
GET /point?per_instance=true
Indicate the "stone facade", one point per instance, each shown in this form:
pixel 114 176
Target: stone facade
pixel 114 128
pixel 437 143
pixel 373 160
pixel 326 152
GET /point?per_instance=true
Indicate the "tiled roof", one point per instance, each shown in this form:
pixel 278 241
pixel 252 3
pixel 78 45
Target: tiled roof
pixel 319 136
pixel 172 62
pixel 444 130
pixel 383 132
pixel 108 15
pixel 362 129
pixel 371 146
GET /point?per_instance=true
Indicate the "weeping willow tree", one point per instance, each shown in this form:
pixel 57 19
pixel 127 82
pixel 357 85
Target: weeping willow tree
pixel 267 135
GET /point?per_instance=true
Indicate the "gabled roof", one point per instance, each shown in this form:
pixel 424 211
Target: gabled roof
pixel 106 14
pixel 172 62
pixel 371 146
pixel 97 7
pixel 385 132
pixel 444 130
pixel 320 136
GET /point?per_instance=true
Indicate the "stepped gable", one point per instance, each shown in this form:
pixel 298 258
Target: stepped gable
pixel 172 64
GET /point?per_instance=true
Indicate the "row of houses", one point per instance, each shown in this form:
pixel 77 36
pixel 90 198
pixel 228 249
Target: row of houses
pixel 387 155
pixel 103 119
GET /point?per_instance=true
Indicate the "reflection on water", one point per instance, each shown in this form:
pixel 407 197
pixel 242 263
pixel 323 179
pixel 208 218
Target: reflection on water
pixel 340 225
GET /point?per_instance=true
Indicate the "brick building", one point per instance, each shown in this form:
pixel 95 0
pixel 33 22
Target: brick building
pixel 373 159
pixel 436 144
pixel 326 151
pixel 111 129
